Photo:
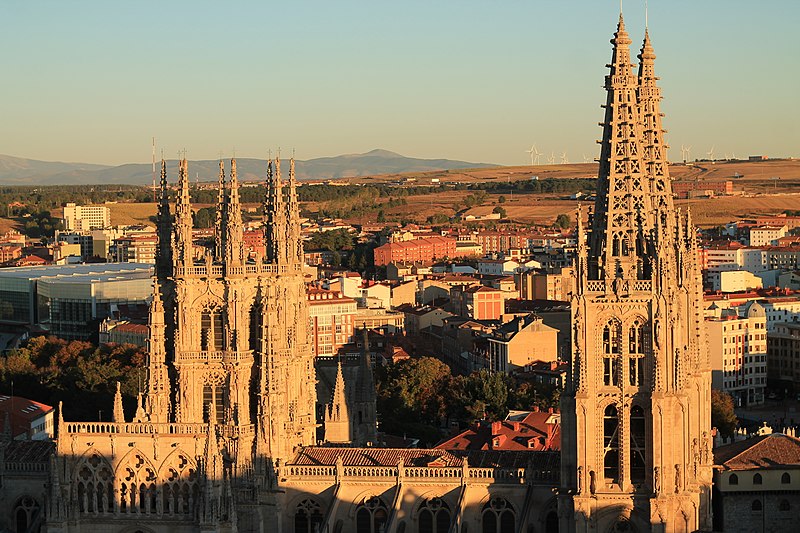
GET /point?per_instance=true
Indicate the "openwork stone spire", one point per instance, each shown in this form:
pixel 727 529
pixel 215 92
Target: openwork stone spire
pixel 655 149
pixel 164 221
pixel 620 224
pixel 275 214
pixel 118 415
pixel 234 248
pixel 219 221
pixel 183 217
pixel 294 243
pixel 158 384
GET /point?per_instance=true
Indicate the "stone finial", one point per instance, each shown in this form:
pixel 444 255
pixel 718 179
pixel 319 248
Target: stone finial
pixel 119 413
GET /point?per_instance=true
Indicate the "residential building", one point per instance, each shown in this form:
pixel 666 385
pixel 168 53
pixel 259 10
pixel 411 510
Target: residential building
pixel 554 285
pixel 521 430
pixel 427 249
pixel 783 356
pixel 331 321
pixel 737 346
pixel 419 318
pixel 27 419
pixel 86 217
pixel 521 341
pixel 123 332
pixel 767 235
pixel 687 189
pixel 478 302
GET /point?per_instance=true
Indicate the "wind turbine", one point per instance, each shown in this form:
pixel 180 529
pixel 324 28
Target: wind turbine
pixel 733 156
pixel 537 153
pixel 585 159
pixel 683 153
pixel 532 152
pixel 564 160
pixel 710 154
pixel 688 153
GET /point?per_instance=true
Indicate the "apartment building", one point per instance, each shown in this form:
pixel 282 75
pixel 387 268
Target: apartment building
pixel 737 345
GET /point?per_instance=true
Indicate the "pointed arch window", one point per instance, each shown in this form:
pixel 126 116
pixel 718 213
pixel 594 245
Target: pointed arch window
pixel 611 351
pixel 371 516
pixel 638 346
pixel 638 445
pixel 434 516
pixel 498 517
pixel 25 512
pixel 611 443
pixel 213 403
pixel 307 517
pixel 212 333
pixel 95 485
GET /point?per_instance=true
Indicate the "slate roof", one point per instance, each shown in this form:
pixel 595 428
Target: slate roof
pixel 29 451
pixel 766 451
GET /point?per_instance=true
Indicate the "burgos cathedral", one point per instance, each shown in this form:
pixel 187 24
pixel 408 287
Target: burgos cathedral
pixel 224 436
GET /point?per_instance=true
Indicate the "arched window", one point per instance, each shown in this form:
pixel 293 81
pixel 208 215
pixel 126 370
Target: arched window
pixel 213 402
pixel 786 478
pixel 638 446
pixel 371 516
pixel 307 517
pixel 95 485
pixel 611 351
pixel 637 349
pixel 611 444
pixel 733 479
pixel 498 517
pixel 179 486
pixel 212 335
pixel 784 506
pixel 25 512
pixel 434 516
pixel 757 479
pixel 551 522
pixel 756 506
pixel 137 487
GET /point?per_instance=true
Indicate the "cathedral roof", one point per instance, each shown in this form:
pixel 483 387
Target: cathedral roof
pixel 29 451
pixel 318 455
pixel 765 451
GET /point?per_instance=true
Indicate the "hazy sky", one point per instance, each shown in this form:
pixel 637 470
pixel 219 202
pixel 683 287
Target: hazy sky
pixel 481 81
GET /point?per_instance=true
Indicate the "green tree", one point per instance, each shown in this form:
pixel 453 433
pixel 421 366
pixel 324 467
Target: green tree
pixel 205 217
pixel 499 210
pixel 563 221
pixel 723 416
pixel 502 199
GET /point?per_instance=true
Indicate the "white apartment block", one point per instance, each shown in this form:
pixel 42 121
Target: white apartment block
pixel 86 217
pixel 766 235
pixel 737 346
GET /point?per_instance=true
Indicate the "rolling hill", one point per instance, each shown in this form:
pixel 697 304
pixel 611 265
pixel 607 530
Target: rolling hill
pixel 19 171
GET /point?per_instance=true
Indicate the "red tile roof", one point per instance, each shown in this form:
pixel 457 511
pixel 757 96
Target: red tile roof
pixel 536 431
pixel 766 451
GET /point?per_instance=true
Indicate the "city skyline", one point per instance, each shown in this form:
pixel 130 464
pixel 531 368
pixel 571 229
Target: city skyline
pixel 92 83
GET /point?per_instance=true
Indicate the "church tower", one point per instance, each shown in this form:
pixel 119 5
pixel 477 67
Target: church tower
pixel 636 448
pixel 226 329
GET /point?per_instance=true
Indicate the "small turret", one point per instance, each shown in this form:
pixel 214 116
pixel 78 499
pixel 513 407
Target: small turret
pixel 337 417
pixel 119 413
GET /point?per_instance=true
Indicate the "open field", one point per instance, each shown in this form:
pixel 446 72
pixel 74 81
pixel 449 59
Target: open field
pixel 757 193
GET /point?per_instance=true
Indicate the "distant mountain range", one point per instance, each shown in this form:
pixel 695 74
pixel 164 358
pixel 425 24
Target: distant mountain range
pixel 19 171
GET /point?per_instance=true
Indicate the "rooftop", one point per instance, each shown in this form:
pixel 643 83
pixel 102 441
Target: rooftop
pixel 766 451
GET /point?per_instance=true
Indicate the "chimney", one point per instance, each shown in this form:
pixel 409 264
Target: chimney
pixel 496 428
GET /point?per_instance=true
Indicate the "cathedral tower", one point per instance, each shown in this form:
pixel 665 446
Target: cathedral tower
pixel 636 410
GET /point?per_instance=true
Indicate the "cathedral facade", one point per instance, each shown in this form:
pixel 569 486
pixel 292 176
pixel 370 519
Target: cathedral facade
pixel 225 437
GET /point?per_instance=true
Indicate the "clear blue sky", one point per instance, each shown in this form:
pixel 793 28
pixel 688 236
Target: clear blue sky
pixel 481 81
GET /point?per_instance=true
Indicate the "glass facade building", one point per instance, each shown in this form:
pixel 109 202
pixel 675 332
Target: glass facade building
pixel 68 300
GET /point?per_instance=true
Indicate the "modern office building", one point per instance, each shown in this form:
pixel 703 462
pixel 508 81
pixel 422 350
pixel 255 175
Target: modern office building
pixel 66 300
